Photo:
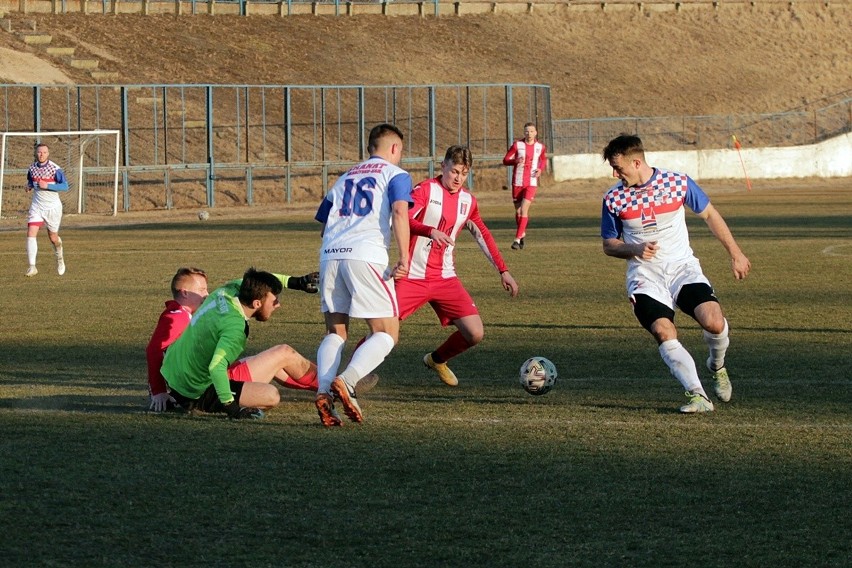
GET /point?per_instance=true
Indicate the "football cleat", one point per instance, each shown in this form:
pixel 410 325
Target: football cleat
pixel 521 243
pixel 31 271
pixel 722 384
pixel 697 403
pixel 325 409
pixel 444 372
pixel 251 413
pixel 348 399
pixel 60 265
pixel 516 244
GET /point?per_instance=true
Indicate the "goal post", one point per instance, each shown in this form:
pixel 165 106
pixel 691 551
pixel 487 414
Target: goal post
pixel 89 158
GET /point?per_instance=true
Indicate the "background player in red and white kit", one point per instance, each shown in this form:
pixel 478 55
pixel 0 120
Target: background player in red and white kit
pixel 45 178
pixel 442 208
pixel 361 210
pixel 529 160
pixel 643 221
pixel 189 290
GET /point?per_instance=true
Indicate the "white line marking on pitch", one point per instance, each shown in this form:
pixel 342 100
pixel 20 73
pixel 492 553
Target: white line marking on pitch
pixel 833 250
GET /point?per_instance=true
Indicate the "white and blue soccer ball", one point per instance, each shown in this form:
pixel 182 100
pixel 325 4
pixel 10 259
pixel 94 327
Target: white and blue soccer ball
pixel 538 375
pixel 203 215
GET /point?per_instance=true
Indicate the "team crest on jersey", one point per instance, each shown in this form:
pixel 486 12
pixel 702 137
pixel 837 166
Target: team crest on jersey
pixel 463 209
pixel 649 219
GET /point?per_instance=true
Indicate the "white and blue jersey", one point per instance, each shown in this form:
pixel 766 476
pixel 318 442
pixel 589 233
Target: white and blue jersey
pixel 357 212
pixel 54 176
pixel 654 211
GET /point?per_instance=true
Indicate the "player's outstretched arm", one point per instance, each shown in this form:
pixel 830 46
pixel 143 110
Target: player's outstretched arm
pixel 740 264
pixel 307 283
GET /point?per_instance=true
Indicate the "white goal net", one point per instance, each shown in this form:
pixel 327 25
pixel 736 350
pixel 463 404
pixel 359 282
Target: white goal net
pixel 89 160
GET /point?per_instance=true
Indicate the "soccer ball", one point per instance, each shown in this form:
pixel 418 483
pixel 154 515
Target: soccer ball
pixel 203 215
pixel 538 375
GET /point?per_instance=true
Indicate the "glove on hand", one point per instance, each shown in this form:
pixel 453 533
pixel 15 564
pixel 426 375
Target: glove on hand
pixel 307 283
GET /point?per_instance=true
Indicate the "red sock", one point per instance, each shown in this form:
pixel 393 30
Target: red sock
pixel 522 228
pixel 455 344
pixel 308 381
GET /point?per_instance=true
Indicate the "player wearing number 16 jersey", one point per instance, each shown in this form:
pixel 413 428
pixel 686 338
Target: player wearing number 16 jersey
pixel 361 211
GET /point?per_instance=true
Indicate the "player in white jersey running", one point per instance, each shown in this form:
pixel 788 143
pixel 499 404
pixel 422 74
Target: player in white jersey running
pixel 643 221
pixel 361 210
pixel 442 208
pixel 528 158
pixel 45 179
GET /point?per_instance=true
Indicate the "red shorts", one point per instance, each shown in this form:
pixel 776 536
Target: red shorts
pixel 447 297
pixel 239 372
pixel 523 192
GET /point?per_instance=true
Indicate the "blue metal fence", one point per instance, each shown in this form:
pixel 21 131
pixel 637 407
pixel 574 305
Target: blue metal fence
pixel 189 145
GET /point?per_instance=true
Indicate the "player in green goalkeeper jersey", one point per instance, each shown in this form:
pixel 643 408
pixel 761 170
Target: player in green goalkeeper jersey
pixel 196 365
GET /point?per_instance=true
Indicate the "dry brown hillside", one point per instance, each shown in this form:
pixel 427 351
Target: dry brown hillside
pixel 733 60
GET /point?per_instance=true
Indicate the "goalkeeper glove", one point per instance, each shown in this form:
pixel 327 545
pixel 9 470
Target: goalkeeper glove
pixel 307 283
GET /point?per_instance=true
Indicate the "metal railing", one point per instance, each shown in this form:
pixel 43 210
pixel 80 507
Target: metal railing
pixel 794 128
pixel 248 144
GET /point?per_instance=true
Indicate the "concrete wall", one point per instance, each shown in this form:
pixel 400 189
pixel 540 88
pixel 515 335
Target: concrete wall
pixel 832 158
pixel 391 7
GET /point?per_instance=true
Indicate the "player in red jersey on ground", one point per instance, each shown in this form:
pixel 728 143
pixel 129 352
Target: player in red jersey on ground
pixel 442 208
pixel 528 158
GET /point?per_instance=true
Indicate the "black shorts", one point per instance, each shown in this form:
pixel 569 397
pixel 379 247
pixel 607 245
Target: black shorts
pixel 209 399
pixel 648 310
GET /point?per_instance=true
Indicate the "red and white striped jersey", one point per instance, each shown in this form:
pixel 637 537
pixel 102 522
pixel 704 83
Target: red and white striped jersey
pixel 531 156
pixel 448 212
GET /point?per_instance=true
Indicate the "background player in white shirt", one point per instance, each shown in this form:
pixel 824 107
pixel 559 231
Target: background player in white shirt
pixel 643 221
pixel 45 179
pixel 361 210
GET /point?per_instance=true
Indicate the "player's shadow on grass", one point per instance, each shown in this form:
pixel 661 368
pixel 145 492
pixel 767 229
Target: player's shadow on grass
pixel 99 404
pixel 636 408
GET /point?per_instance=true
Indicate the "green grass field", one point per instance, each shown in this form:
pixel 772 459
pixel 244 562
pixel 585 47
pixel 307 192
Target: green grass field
pixel 602 471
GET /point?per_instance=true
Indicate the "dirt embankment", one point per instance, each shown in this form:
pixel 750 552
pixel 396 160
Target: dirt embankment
pixel 736 59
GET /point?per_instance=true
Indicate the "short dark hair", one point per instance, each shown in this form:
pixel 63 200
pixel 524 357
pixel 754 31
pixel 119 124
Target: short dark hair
pixel 257 284
pixel 623 145
pixel 459 155
pixel 531 124
pixel 182 274
pixel 380 131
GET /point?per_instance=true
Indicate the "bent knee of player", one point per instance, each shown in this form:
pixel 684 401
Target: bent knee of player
pixel 269 398
pixel 709 315
pixel 474 336
pixel 286 354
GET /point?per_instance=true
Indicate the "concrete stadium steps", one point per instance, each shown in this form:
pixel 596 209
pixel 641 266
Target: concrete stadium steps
pixel 26 31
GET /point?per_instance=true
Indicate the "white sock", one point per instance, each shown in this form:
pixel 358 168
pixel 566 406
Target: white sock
pixel 367 357
pixel 681 365
pixel 718 345
pixel 328 360
pixel 32 250
pixel 58 249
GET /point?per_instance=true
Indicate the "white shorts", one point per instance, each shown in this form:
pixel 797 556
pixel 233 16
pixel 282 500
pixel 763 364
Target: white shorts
pixel 361 289
pixel 663 282
pixel 50 216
